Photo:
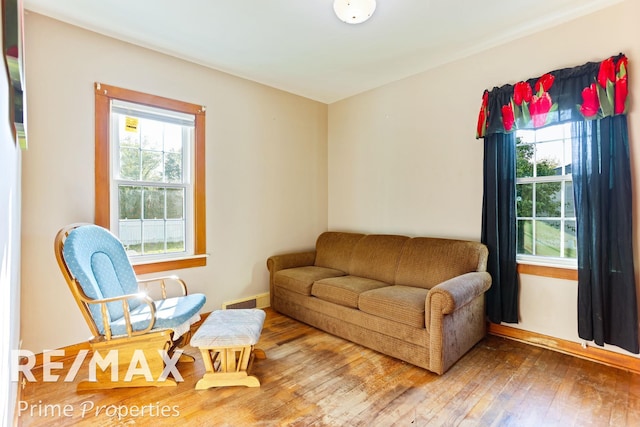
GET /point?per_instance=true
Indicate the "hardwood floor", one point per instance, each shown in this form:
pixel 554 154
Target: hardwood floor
pixel 311 378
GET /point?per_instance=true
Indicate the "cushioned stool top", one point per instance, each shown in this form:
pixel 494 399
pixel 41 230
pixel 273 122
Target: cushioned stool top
pixel 229 328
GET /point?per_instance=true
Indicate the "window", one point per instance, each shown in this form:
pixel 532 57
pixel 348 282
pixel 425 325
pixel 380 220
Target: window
pixel 150 177
pixel 546 223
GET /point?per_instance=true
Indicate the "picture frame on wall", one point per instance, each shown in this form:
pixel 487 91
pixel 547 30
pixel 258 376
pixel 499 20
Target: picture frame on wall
pixel 12 49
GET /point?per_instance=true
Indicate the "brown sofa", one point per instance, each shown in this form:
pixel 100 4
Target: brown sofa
pixel 418 299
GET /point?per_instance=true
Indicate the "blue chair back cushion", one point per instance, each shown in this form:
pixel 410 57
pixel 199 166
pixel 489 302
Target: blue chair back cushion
pixel 97 259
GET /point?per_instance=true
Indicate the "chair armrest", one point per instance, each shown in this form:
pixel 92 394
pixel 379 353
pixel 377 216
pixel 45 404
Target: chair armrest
pixel 145 299
pixel 162 281
pixel 449 296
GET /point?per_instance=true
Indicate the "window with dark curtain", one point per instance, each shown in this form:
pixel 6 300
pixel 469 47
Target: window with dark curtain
pixel 594 98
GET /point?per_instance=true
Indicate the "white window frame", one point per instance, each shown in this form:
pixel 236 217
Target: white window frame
pixel 136 110
pixel 561 261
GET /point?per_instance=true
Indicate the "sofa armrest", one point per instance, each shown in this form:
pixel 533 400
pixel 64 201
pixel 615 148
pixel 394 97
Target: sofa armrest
pixel 299 259
pixel 449 296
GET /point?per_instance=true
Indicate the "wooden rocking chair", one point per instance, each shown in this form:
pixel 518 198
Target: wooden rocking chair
pixel 119 313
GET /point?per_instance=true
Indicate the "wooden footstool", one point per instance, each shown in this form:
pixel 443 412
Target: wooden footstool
pixel 226 341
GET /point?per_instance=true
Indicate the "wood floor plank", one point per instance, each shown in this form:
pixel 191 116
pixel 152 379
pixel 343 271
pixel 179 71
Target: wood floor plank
pixel 633 402
pixel 512 382
pixel 311 378
pixel 621 396
pixel 540 394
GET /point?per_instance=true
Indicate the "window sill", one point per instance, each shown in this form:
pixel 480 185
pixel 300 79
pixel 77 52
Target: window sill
pixel 155 266
pixel 566 273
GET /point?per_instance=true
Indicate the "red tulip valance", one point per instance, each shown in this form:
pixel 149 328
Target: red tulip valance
pixel 590 91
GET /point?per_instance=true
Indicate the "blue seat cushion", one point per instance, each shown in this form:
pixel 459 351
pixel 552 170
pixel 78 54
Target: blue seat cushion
pixel 97 259
pixel 170 313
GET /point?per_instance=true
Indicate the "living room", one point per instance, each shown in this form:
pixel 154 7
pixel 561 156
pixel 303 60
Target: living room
pixel 282 168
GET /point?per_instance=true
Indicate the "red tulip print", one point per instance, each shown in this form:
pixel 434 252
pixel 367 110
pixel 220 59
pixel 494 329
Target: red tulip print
pixel 621 67
pixel 481 124
pixel 544 83
pixel 590 103
pixel 482 116
pixel 606 73
pixel 622 89
pixel 522 92
pixel 540 107
pixel 532 106
pixel 508 119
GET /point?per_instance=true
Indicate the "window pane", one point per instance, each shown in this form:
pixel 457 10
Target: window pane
pixel 142 226
pixel 524 161
pixel 128 138
pixel 175 236
pixel 547 238
pixel 570 242
pixel 525 237
pixel 152 166
pixel 151 134
pixel 545 209
pixel 549 158
pixel 524 200
pixel 524 135
pixel 173 167
pixel 173 138
pixel 153 236
pixel 130 202
pixel 548 201
pixel 175 203
pixel 567 157
pixel 130 163
pixel 130 234
pixel 569 205
pixel 549 133
pixel 153 203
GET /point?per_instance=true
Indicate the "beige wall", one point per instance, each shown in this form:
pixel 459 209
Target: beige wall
pixel 266 168
pixel 403 158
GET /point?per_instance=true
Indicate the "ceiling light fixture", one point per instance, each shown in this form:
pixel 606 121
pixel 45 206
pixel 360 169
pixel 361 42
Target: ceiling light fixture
pixel 354 11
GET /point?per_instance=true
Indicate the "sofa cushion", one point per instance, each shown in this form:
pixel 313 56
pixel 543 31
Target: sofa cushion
pixel 300 279
pixel 403 304
pixel 344 290
pixel 376 257
pixel 426 262
pixel 333 249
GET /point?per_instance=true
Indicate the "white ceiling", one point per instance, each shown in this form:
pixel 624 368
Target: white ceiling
pixel 300 46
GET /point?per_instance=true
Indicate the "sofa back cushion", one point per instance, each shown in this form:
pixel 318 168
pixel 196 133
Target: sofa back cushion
pixel 334 249
pixel 376 256
pixel 426 261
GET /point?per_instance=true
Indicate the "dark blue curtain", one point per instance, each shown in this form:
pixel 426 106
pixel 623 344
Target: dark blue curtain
pixel 594 97
pixel 607 304
pixel 499 226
